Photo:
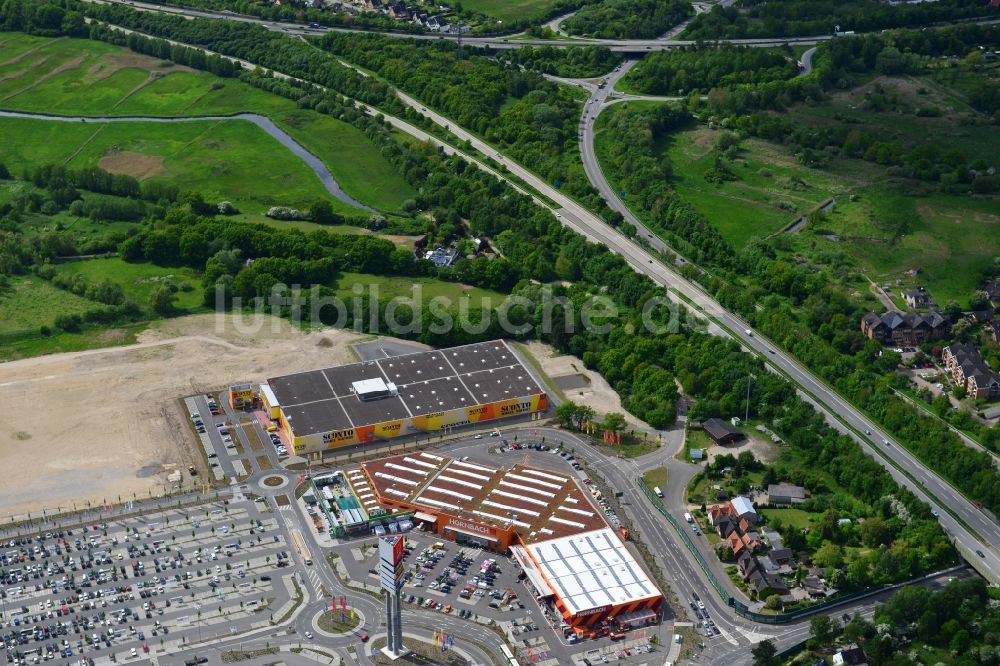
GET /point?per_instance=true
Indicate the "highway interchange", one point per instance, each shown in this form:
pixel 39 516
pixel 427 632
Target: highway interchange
pixel 970 527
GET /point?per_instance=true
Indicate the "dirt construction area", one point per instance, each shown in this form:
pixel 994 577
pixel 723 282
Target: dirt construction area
pixel 106 423
pixel 592 390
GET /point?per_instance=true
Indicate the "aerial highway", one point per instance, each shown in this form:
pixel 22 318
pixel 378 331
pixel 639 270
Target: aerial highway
pixel 975 533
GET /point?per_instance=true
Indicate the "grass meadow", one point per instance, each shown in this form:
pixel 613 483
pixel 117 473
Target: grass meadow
pixel 137 280
pixel 219 158
pixel 30 302
pixel 78 76
pixel 510 10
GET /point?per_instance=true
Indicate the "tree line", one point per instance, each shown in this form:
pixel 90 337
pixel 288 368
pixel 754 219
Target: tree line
pixel 799 18
pixel 679 71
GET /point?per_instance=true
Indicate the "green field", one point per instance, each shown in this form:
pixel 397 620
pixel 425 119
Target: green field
pixel 403 288
pixel 76 76
pixel 950 240
pixel 30 302
pixel 138 280
pixel 796 518
pixel 510 10
pixel 887 106
pixel 770 190
pixel 221 158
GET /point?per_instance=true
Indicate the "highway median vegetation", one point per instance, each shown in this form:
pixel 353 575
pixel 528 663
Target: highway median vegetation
pixel 571 62
pixel 529 118
pixel 683 70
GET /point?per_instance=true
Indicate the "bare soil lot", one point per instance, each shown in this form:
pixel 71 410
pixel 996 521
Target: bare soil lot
pixel 596 393
pixel 107 423
pixel 137 165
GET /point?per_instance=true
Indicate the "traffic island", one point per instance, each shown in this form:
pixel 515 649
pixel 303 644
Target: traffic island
pixel 273 481
pixel 338 623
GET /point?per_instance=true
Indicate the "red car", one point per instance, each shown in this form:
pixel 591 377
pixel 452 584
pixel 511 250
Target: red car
pixel 363 637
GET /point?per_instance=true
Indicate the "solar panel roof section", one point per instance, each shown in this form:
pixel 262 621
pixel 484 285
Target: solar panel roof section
pixel 320 416
pixel 436 395
pixel 504 383
pixel 341 377
pixel 428 382
pixel 412 368
pixel 301 387
pixel 367 412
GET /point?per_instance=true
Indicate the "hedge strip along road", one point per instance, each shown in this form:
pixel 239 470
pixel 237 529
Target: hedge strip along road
pixel 263 122
pixel 972 529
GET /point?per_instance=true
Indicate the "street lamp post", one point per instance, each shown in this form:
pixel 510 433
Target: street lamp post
pixel 746 417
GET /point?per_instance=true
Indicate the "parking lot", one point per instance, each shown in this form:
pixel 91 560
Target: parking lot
pixel 122 589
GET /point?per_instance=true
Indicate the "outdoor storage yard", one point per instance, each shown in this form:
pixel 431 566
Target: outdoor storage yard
pixel 107 423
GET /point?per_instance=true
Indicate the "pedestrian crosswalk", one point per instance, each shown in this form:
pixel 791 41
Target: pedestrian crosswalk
pixel 314 580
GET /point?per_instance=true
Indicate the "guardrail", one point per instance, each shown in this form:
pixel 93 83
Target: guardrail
pixel 738 606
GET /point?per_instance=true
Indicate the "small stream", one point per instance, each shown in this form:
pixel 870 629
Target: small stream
pixel 262 122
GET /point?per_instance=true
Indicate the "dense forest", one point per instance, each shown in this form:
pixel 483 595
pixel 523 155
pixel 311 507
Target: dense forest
pixel 679 71
pixel 577 62
pixel 627 19
pixel 798 18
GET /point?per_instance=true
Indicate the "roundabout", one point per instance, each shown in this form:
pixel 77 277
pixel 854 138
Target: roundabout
pixel 327 623
pixel 273 482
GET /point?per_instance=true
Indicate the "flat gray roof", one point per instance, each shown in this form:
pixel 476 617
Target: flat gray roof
pixel 318 401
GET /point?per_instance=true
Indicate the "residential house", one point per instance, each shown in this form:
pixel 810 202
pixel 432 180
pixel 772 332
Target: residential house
pixel 905 328
pixel 760 581
pixel 781 555
pixel 399 10
pixel 721 432
pixel 992 289
pixel 992 328
pixel 739 511
pixel 433 22
pixel 785 493
pixel 743 507
pixel 814 586
pixel 441 257
pixel 969 370
pixel 851 657
pixel 918 298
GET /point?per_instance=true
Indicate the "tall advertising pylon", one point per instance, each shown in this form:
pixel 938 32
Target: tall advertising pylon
pixel 390 555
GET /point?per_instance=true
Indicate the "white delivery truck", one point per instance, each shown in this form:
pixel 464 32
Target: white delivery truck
pixel 659 493
pixel 687 517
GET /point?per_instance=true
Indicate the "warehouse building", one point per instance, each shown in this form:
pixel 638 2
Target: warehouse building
pixel 543 518
pixel 591 578
pixel 399 396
